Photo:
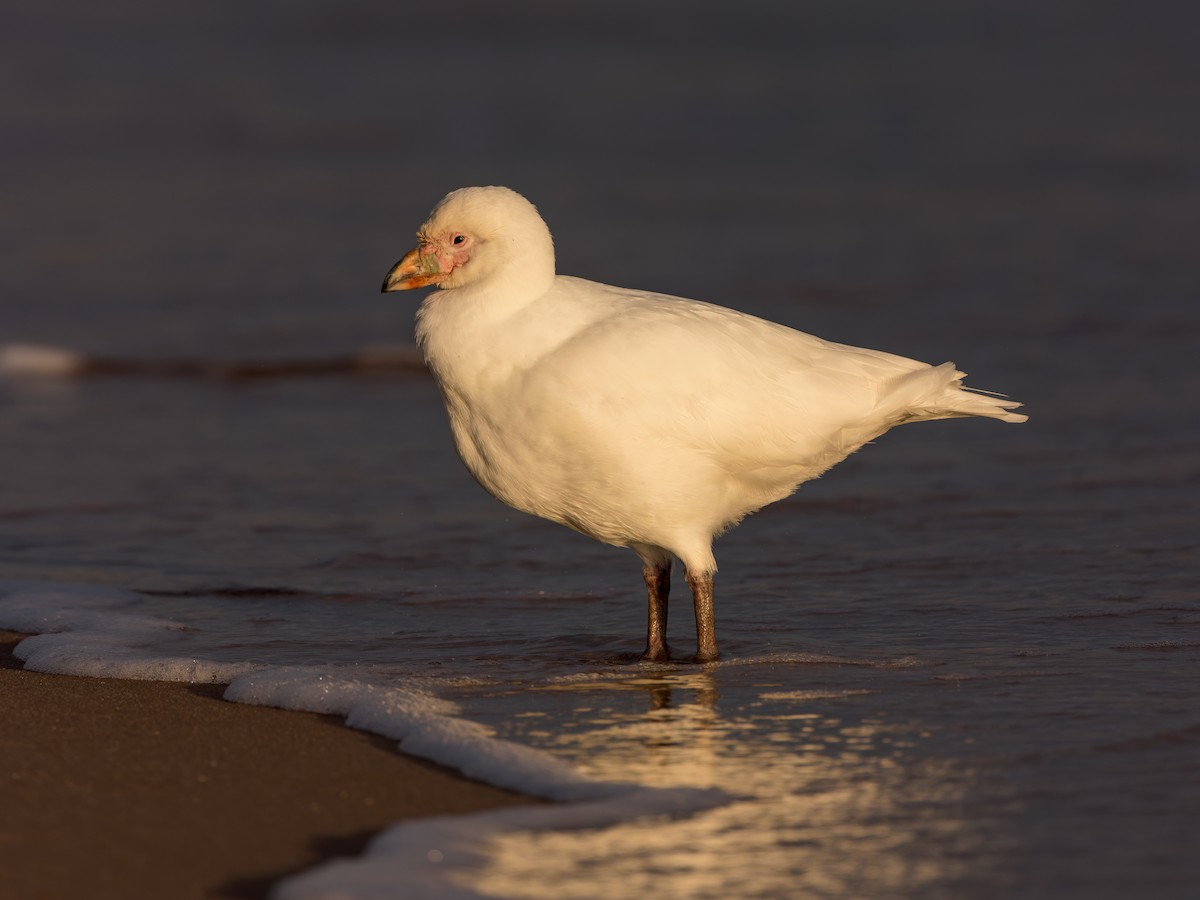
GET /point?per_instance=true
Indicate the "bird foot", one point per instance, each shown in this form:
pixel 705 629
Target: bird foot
pixel 660 653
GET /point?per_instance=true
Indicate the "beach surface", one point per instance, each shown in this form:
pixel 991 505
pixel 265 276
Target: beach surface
pixel 151 789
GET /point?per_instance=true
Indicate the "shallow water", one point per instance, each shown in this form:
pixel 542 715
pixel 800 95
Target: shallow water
pixel 964 663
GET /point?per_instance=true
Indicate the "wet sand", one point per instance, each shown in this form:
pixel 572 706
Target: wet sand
pixel 140 789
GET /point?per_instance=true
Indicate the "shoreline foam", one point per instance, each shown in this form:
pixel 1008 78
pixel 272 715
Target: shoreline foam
pixel 152 789
pixel 136 730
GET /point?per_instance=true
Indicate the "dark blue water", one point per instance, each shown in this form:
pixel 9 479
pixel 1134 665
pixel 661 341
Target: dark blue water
pixel 964 663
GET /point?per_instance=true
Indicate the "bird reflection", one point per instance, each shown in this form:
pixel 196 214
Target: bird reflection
pixel 675 740
pixel 665 692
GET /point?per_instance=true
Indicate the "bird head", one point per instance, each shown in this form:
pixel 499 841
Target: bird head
pixel 472 235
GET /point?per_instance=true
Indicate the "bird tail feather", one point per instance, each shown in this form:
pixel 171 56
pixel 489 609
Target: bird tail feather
pixel 938 393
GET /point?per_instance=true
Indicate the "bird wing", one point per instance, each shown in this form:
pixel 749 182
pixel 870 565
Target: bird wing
pixel 748 392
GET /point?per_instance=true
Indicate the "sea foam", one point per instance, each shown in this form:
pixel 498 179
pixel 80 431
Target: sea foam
pixel 101 632
pixel 36 360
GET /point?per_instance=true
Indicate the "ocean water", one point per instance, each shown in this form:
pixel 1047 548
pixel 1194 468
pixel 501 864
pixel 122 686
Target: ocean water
pixel 965 663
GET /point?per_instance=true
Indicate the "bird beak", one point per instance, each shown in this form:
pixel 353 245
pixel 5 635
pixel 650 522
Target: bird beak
pixel 419 268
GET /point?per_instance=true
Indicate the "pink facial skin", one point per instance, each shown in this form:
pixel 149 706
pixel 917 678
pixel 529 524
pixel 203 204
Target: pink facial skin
pixel 451 248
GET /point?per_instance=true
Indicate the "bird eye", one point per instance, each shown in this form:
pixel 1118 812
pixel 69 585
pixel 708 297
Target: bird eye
pixel 458 239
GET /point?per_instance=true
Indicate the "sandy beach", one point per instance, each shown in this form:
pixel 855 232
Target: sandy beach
pixel 140 789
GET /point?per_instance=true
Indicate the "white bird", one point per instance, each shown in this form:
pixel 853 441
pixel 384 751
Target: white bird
pixel 642 420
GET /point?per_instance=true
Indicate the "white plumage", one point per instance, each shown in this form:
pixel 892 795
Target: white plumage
pixel 642 420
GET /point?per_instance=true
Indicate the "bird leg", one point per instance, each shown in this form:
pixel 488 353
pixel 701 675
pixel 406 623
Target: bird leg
pixel 658 586
pixel 706 628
